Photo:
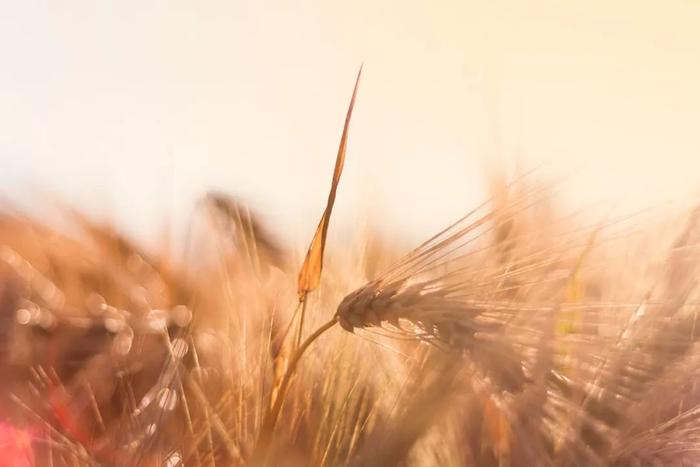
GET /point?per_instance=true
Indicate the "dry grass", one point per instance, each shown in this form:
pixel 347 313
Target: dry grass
pixel 518 336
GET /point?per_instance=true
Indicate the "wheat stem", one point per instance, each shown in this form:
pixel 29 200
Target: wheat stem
pixel 262 446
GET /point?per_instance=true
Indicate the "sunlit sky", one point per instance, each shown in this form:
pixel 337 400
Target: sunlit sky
pixel 131 109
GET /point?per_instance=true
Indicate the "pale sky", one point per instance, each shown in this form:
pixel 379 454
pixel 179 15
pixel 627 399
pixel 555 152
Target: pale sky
pixel 131 109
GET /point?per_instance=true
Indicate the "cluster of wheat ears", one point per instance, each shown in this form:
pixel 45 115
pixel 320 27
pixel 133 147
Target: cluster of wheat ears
pixel 520 335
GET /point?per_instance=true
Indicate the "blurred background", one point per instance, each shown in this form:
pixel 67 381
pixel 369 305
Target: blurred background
pixel 130 110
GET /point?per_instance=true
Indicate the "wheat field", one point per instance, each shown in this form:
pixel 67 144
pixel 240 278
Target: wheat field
pixel 525 334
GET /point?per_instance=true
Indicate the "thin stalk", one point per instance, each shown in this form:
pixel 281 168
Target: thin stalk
pixel 262 446
pixel 300 330
pixel 290 325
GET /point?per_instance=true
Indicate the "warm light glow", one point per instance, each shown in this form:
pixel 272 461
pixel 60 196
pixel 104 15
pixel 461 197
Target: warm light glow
pixel 132 109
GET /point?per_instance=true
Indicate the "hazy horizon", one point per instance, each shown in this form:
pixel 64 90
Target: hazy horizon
pixel 133 109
